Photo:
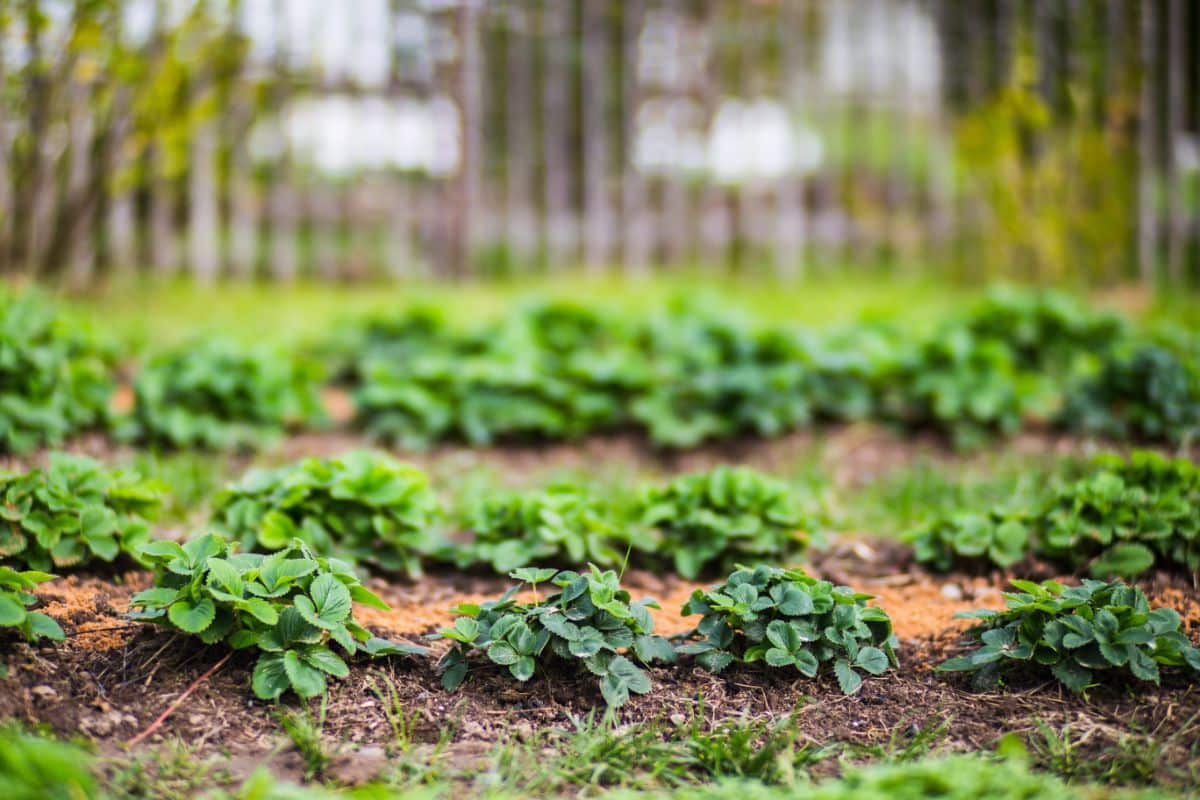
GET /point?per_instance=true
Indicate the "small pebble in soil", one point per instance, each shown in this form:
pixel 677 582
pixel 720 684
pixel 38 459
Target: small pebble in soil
pixel 952 591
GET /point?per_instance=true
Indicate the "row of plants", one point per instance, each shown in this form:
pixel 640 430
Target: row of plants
pixel 369 509
pixel 1123 517
pixel 561 370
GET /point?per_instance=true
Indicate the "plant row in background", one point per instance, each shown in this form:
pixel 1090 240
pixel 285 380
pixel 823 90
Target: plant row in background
pixel 558 371
pixel 1124 516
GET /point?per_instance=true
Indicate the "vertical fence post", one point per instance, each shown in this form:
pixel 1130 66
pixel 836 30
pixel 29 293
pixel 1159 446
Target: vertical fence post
pixel 1147 150
pixel 470 103
pixel 597 231
pixel 1176 189
pixel 556 131
pixel 80 199
pixel 634 226
pixel 203 228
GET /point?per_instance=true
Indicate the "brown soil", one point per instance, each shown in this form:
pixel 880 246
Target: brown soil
pixel 112 677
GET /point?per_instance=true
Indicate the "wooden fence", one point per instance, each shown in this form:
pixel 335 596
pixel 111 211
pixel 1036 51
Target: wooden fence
pixel 368 138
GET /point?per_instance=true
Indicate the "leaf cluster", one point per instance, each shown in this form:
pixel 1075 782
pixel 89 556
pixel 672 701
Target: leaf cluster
pixel 73 511
pixel 561 522
pixel 16 598
pixel 39 768
pixel 997 537
pixel 56 378
pixel 362 506
pixel 1152 394
pixel 219 395
pixel 590 622
pixel 292 606
pixel 1046 331
pixel 1123 517
pixel 1072 633
pixel 709 521
pixel 786 618
pixel 1126 516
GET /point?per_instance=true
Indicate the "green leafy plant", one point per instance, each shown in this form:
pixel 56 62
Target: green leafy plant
pixel 16 598
pixel 1152 394
pixel 362 506
pixel 961 385
pixel 997 537
pixel 55 377
pixel 590 621
pixel 563 522
pixel 1047 332
pixel 74 511
pixel 708 521
pixel 291 606
pixel 785 618
pixel 220 395
pixel 1126 516
pixel 713 378
pixel 1073 633
pixel 38 768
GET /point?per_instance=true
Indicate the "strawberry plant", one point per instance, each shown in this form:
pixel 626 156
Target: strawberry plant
pixel 55 378
pixel 589 622
pixel 963 386
pixel 787 619
pixel 1073 633
pixel 1126 516
pixel 1152 394
pixel 996 537
pixel 1047 332
pixel 74 511
pixel 292 606
pixel 562 522
pixel 16 598
pixel 713 378
pixel 216 394
pixel 709 521
pixel 362 506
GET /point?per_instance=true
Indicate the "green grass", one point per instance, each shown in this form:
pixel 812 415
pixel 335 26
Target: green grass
pixel 158 314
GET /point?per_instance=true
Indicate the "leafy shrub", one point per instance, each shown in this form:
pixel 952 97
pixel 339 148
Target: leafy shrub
pixel 996 537
pixel 219 395
pixel 963 386
pixel 854 372
pixel 1126 516
pixel 362 506
pixel 562 522
pixel 74 511
pixel 1073 633
pixel 590 621
pixel 291 605
pixel 1152 394
pixel 713 378
pixel 787 619
pixel 37 768
pixel 1046 331
pixel 55 378
pixel 709 521
pixel 16 598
